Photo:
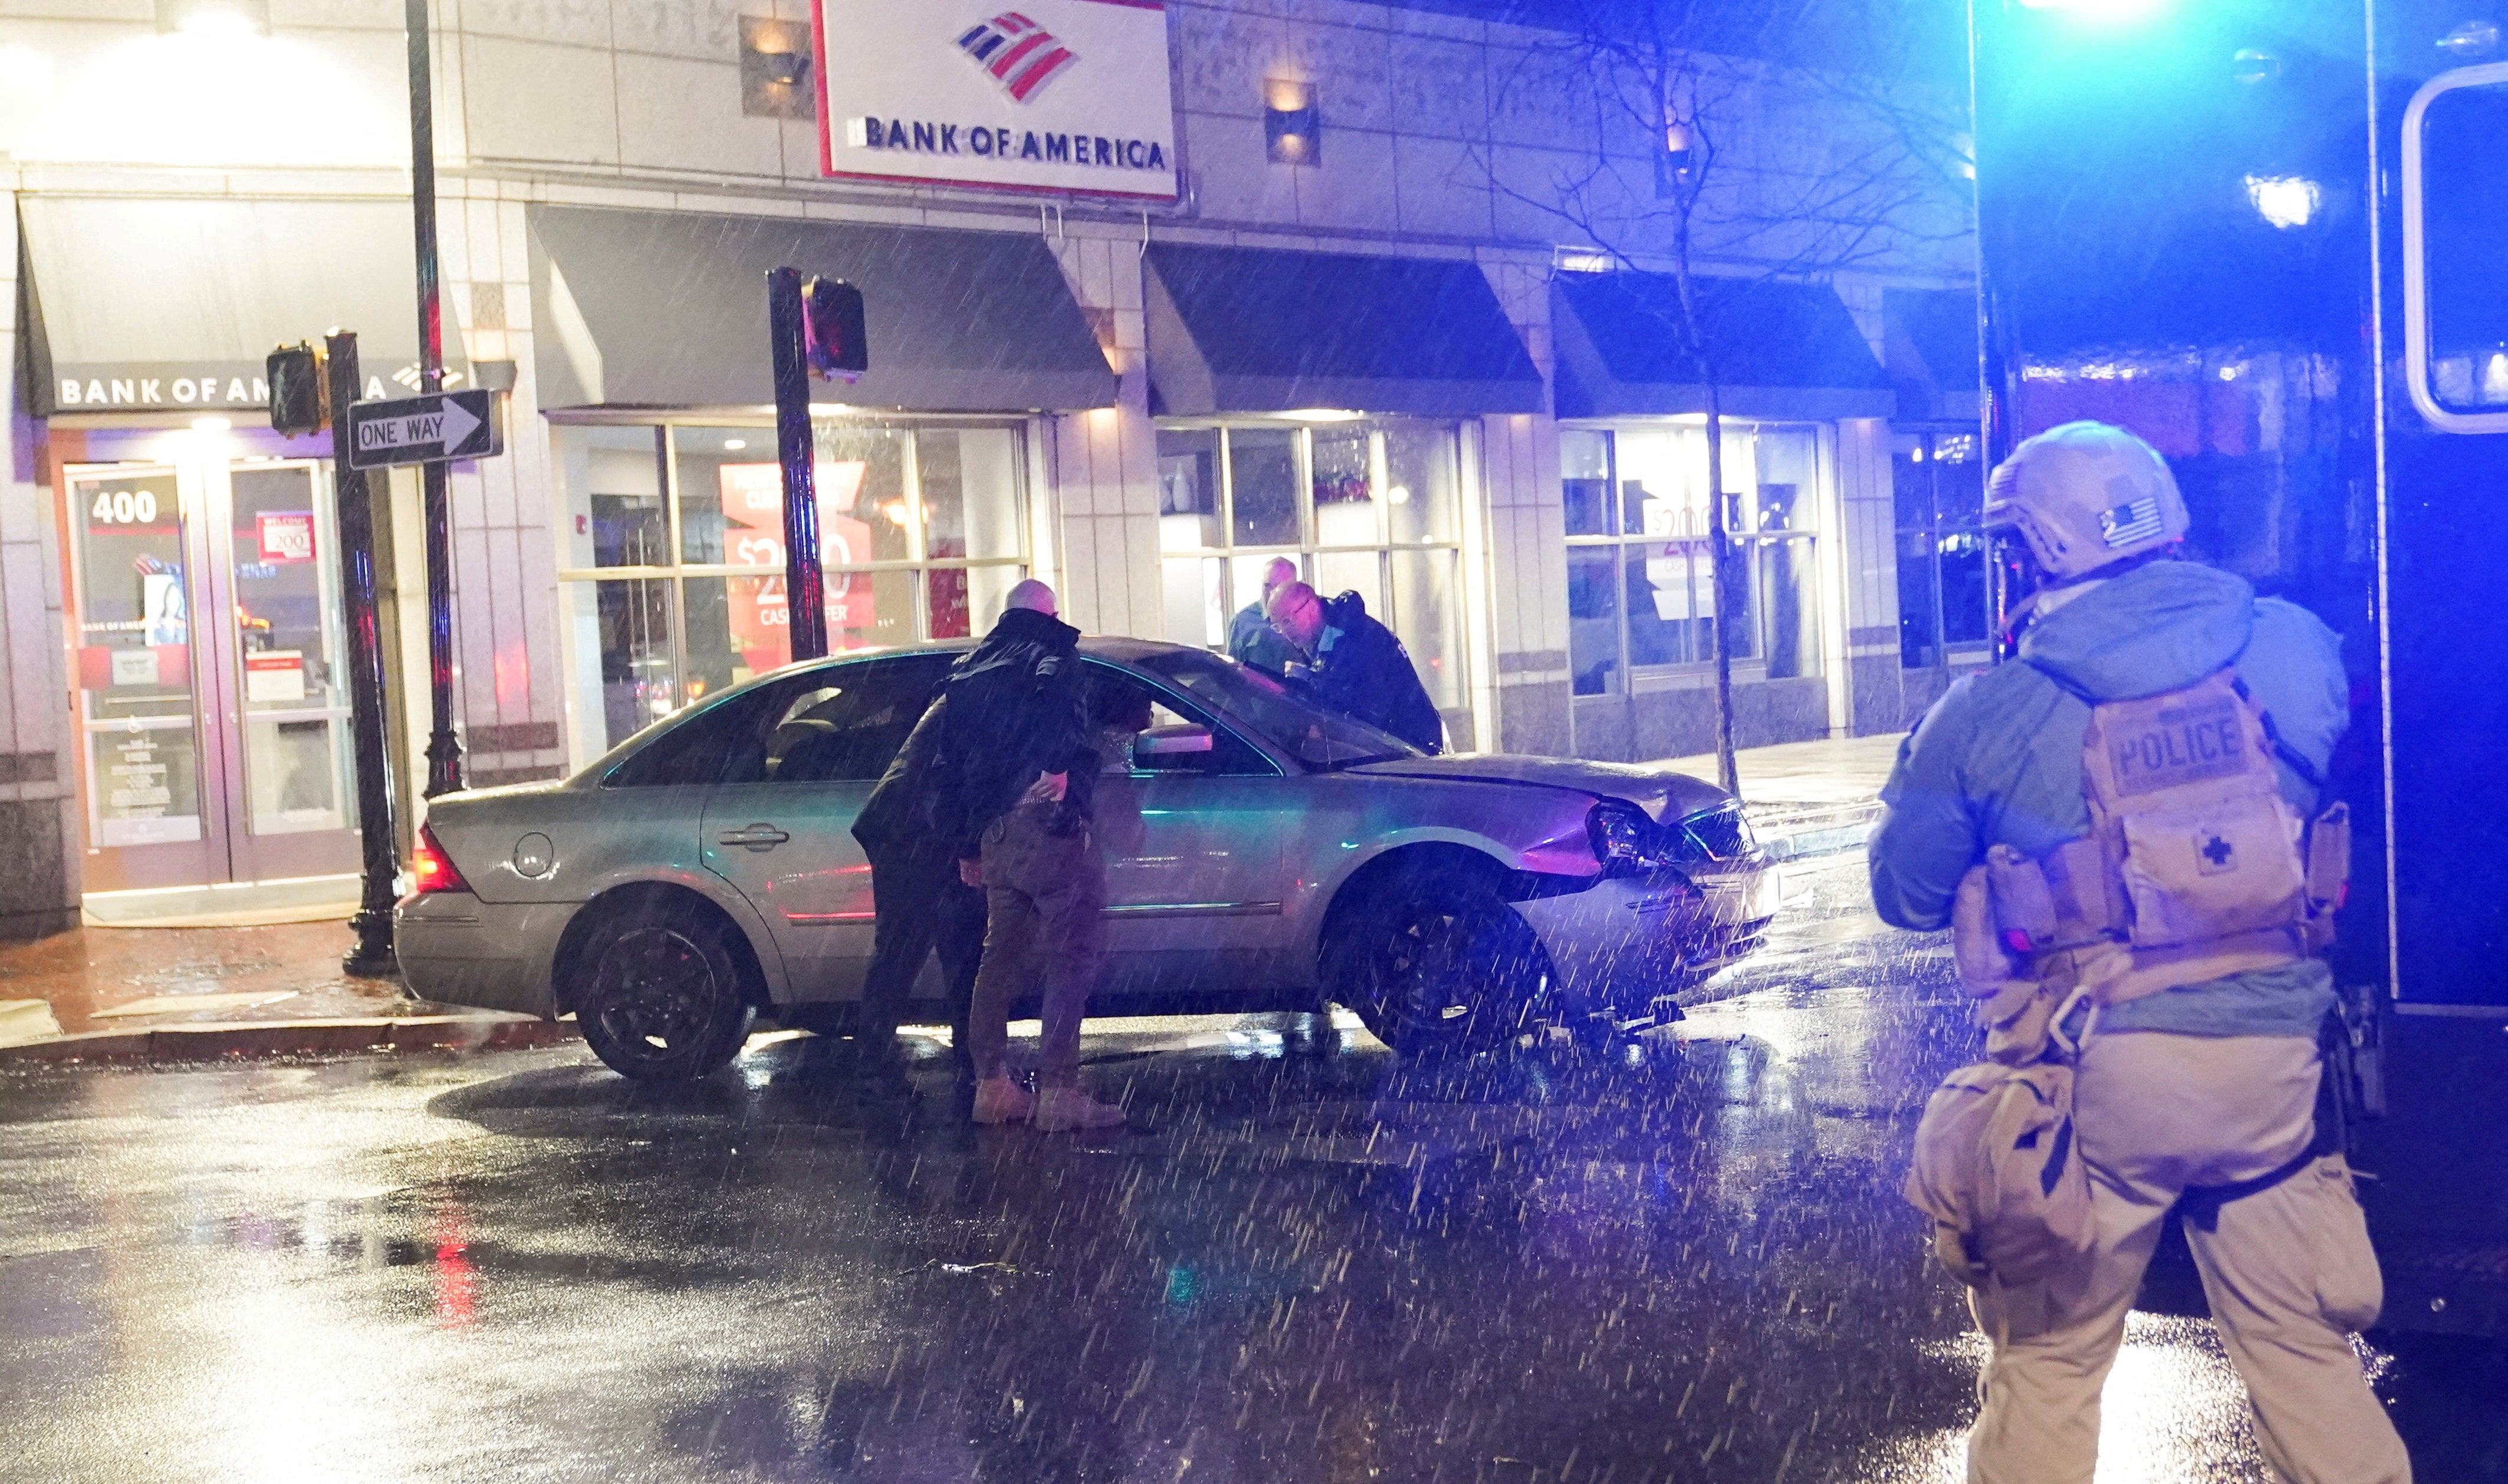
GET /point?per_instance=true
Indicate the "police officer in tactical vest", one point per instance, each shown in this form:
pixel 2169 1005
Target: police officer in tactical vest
pixel 2130 822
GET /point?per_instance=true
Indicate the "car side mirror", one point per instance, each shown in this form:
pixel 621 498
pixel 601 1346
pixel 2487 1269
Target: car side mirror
pixel 1171 748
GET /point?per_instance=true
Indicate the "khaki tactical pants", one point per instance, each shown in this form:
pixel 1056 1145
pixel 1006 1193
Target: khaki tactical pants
pixel 2289 1271
pixel 1044 896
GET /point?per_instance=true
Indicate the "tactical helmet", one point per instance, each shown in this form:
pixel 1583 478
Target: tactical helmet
pixel 2086 494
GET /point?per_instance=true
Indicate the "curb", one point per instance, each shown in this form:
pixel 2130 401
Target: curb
pixel 294 1038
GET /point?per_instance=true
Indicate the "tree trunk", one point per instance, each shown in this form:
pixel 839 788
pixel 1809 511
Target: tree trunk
pixel 1721 550
pixel 1720 544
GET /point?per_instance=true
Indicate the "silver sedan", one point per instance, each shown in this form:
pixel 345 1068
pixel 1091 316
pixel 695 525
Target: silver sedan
pixel 1262 852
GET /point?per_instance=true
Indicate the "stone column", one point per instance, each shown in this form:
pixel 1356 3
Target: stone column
pixel 1103 464
pixel 39 827
pixel 1526 621
pixel 504 550
pixel 1870 551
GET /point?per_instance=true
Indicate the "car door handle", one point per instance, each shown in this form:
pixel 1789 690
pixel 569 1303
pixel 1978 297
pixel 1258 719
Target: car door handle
pixel 757 837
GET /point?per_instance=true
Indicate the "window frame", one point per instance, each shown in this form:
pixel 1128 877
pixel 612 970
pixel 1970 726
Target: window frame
pixel 1462 545
pixel 2418 348
pixel 1938 525
pixel 678 574
pixel 1746 546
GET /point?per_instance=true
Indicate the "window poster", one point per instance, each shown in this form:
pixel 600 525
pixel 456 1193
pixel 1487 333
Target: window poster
pixel 752 516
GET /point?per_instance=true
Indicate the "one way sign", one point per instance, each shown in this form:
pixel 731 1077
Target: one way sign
pixel 423 430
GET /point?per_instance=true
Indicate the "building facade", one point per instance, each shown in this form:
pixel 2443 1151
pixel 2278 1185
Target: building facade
pixel 1155 295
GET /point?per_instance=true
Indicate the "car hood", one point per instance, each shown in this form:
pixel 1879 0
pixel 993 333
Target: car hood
pixel 1661 792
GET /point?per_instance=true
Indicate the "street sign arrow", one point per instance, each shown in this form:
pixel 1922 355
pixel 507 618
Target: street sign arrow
pixel 428 429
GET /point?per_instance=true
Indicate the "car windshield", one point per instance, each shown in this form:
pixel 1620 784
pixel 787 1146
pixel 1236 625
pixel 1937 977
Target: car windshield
pixel 1318 736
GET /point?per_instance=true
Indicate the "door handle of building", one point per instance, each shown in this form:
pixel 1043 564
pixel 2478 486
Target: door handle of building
pixel 757 837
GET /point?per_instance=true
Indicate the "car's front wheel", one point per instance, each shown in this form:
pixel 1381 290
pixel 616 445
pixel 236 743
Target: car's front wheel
pixel 665 995
pixel 1436 961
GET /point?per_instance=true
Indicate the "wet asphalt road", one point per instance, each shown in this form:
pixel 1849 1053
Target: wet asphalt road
pixel 1305 1262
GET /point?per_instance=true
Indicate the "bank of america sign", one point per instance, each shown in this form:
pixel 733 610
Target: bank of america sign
pixel 1061 95
pixel 1017 54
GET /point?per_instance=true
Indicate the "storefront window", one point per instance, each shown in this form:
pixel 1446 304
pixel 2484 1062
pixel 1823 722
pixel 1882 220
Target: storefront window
pixel 1370 505
pixel 1640 568
pixel 1944 606
pixel 675 577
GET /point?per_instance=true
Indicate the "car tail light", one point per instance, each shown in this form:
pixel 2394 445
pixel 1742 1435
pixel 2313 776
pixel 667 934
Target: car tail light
pixel 432 869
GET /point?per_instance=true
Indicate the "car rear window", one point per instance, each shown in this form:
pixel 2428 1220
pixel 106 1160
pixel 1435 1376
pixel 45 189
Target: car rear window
pixel 840 722
pixel 691 752
pixel 844 726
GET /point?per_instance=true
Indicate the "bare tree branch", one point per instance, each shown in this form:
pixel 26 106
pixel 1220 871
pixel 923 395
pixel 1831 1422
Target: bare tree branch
pixel 1803 171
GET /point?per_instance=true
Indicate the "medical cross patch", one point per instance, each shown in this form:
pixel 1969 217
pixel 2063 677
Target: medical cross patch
pixel 2126 524
pixel 2213 854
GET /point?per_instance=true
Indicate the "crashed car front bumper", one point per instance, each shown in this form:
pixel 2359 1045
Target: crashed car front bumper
pixel 1627 939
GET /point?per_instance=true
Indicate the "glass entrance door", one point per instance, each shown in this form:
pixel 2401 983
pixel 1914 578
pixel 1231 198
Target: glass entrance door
pixel 209 672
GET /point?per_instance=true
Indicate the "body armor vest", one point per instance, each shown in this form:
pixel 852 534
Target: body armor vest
pixel 2195 867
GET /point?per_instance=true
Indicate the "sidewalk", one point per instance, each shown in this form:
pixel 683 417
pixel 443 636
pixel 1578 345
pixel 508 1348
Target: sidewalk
pixel 181 993
pixel 1809 798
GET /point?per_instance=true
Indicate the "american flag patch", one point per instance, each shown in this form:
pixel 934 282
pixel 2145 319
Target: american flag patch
pixel 2124 525
pixel 1020 54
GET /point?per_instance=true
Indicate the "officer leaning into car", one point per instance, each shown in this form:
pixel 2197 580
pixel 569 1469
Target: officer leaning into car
pixel 1351 662
pixel 1024 759
pixel 2189 978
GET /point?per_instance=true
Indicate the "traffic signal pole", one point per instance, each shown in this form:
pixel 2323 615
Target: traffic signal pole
pixel 806 597
pixel 373 956
pixel 443 747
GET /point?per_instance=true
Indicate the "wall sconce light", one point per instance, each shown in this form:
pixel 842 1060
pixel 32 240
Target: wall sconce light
pixel 1672 166
pixel 777 78
pixel 214 18
pixel 1292 124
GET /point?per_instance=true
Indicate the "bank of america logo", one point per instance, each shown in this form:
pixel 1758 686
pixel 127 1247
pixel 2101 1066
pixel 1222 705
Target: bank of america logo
pixel 1020 54
pixel 2124 525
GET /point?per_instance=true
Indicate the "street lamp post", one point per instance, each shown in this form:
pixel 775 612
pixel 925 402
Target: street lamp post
pixel 443 747
pixel 374 954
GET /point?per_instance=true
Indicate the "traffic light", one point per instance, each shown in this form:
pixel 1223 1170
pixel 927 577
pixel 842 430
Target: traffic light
pixel 299 397
pixel 831 330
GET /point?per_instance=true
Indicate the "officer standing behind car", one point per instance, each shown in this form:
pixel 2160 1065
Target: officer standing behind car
pixel 1353 663
pixel 919 902
pixel 1024 763
pixel 2198 1075
pixel 1251 638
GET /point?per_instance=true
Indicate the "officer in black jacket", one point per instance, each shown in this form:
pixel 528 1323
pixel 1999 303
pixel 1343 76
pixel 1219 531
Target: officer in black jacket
pixel 920 903
pixel 1351 662
pixel 1022 764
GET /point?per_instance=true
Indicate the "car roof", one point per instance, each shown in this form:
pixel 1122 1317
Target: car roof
pixel 1118 648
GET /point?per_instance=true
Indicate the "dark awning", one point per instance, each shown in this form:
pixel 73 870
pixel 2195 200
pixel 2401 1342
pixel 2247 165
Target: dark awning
pixel 655 308
pixel 1932 351
pixel 1256 329
pixel 1781 349
pixel 151 303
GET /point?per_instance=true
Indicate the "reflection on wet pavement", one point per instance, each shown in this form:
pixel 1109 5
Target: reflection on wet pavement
pixel 1681 1260
pixel 93 977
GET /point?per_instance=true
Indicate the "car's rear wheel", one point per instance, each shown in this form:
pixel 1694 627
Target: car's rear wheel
pixel 1437 961
pixel 666 994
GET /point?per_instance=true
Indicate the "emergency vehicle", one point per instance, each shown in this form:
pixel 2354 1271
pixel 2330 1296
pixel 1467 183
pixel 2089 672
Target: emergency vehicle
pixel 2271 238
